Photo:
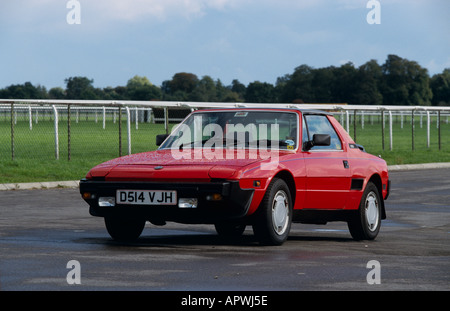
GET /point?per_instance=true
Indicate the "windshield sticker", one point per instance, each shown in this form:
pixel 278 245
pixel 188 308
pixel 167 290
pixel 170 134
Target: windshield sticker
pixel 241 114
pixel 289 142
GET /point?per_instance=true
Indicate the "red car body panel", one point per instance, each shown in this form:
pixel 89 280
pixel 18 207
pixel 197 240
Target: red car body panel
pixel 320 180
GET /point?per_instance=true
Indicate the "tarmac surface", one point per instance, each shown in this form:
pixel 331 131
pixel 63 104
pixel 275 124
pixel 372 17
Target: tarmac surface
pixel 43 231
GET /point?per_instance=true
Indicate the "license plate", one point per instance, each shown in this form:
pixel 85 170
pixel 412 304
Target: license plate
pixel 146 197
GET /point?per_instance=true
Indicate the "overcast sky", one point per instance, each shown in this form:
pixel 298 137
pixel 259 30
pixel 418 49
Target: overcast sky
pixel 247 40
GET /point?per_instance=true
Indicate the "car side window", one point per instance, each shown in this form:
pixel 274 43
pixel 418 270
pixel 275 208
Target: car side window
pixel 319 124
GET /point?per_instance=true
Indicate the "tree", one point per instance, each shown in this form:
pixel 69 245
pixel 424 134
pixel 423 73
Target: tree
pixel 367 84
pixel 138 81
pixel 24 91
pixel 345 85
pixel 440 86
pixel 204 91
pixel 260 92
pixel 404 82
pixel 238 88
pixel 396 82
pixel 298 86
pixel 140 88
pixel 185 82
pixel 180 87
pixel 80 88
pixel 56 93
pixel 323 84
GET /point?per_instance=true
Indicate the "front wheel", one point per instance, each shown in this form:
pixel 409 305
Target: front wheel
pixel 365 224
pixel 273 218
pixel 124 229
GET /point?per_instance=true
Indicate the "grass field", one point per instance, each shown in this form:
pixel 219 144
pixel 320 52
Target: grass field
pixel 34 150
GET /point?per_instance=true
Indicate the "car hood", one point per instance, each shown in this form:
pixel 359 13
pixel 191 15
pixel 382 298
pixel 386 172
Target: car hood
pixel 161 165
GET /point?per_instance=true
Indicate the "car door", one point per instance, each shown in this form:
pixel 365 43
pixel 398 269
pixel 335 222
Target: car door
pixel 327 169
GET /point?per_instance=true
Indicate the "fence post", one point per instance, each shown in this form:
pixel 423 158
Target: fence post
pixel 354 125
pixel 382 129
pixel 30 117
pixel 120 131
pixel 136 115
pixel 166 119
pixel 412 128
pixel 128 129
pixel 56 133
pixel 439 129
pixel 68 133
pixel 104 117
pixel 362 119
pixel 12 131
pixel 428 129
pixel 391 142
pixel 401 119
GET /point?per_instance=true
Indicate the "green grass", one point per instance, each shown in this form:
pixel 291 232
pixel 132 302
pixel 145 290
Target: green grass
pixel 371 138
pixel 34 150
pixel 91 144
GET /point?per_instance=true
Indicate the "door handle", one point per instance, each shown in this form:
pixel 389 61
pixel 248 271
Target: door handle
pixel 346 165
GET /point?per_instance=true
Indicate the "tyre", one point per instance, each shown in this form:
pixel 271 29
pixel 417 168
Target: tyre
pixel 273 218
pixel 366 222
pixel 229 229
pixel 124 229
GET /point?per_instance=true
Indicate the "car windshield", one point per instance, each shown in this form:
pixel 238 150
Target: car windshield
pixel 241 129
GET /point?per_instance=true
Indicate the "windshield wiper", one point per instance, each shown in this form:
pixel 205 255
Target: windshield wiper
pixel 202 142
pixel 226 143
pixel 268 142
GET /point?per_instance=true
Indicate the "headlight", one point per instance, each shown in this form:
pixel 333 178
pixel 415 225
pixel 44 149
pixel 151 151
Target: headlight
pixel 187 203
pixel 106 201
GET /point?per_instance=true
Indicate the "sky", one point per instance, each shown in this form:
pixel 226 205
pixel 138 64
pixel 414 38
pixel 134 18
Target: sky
pixel 110 41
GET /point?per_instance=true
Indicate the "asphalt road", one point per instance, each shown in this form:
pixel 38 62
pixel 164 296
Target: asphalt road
pixel 42 230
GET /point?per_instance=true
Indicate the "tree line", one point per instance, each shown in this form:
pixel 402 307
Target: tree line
pixel 397 81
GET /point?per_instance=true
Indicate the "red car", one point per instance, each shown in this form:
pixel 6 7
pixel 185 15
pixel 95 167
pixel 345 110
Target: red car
pixel 237 167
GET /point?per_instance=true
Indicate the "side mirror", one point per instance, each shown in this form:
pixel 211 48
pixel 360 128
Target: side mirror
pixel 321 140
pixel 318 140
pixel 161 138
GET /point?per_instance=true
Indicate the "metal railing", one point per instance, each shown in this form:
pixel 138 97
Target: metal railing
pixel 95 127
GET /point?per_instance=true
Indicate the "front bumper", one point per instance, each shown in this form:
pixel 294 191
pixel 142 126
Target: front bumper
pixel 234 204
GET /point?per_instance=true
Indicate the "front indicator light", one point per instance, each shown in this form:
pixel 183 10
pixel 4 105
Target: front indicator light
pixel 187 203
pixel 88 195
pixel 214 197
pixel 106 201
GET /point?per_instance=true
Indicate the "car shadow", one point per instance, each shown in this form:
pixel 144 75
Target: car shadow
pixel 320 238
pixel 203 239
pixel 189 240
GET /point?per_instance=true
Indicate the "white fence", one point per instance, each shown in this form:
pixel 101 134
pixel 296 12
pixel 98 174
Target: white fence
pixel 352 117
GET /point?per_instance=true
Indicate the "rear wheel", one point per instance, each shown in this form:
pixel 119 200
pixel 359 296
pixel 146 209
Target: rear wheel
pixel 124 229
pixel 274 215
pixel 366 222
